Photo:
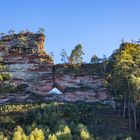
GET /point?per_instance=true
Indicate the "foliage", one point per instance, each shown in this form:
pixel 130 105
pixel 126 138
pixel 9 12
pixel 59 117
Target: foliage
pixel 124 78
pixel 69 121
pixel 2 34
pixel 94 59
pixel 2 137
pixel 19 134
pixel 11 32
pixel 124 63
pixel 64 56
pixel 52 137
pixel 65 134
pixel 51 56
pixel 85 135
pixel 41 30
pixel 76 56
pixel 4 74
pixel 37 134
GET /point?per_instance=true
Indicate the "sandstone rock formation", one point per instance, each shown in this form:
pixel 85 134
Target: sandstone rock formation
pixel 82 84
pixel 30 65
pixel 28 62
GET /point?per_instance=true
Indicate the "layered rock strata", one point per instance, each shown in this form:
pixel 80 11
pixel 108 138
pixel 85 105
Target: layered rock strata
pixel 33 68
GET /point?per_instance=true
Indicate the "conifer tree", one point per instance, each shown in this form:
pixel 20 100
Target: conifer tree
pixel 76 56
pixel 64 57
pixel 52 137
pixel 94 59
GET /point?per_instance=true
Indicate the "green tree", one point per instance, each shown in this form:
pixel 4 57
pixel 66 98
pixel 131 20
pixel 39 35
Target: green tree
pixel 2 34
pixel 65 134
pixel 11 32
pixel 37 134
pixel 94 59
pixel 2 137
pixel 41 30
pixel 85 135
pixel 76 56
pixel 104 63
pixel 19 134
pixel 64 56
pixel 22 31
pixel 51 56
pixel 4 74
pixel 52 137
pixel 125 73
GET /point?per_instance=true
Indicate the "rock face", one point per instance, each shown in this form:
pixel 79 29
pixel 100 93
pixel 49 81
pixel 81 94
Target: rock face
pixel 82 84
pixel 30 65
pixel 28 62
pixel 24 48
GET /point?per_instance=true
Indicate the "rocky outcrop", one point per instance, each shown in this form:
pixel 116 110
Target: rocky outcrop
pixel 34 73
pixel 85 83
pixel 24 48
pixel 22 43
pixel 26 59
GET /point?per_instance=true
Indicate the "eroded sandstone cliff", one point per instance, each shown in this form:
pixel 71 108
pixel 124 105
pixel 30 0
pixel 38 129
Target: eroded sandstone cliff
pixel 29 64
pixel 34 73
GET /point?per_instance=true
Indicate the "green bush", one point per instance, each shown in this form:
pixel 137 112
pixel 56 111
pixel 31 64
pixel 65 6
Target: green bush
pixel 52 137
pixel 85 135
pixel 37 134
pixel 2 137
pixel 65 134
pixel 19 134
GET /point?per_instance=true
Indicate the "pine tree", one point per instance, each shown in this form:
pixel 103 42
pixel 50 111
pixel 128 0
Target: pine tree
pixel 37 134
pixel 19 134
pixel 65 134
pixel 85 135
pixel 41 30
pixel 52 137
pixel 64 57
pixel 124 78
pixel 94 59
pixel 76 56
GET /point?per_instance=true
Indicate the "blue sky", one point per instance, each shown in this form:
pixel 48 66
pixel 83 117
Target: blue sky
pixel 99 25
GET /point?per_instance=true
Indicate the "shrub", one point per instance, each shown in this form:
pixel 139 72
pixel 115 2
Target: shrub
pixel 65 134
pixel 128 138
pixel 2 137
pixel 37 134
pixel 19 134
pixel 52 137
pixel 60 125
pixel 79 128
pixel 85 135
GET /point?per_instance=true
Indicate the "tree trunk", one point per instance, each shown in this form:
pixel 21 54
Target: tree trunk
pixel 113 104
pixel 138 117
pixel 129 114
pixel 129 104
pixel 134 115
pixel 124 107
pixel 128 86
pixel 104 65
